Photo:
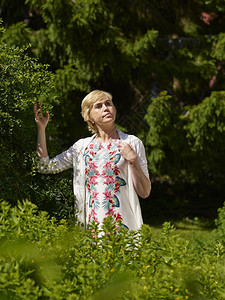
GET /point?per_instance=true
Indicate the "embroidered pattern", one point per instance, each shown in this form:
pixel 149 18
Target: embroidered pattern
pixel 111 180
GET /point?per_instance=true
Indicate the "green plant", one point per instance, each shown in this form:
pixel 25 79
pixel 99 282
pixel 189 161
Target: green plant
pixel 43 258
pixel 24 81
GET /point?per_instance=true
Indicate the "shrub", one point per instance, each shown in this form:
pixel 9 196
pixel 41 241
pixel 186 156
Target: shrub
pixel 23 82
pixel 42 258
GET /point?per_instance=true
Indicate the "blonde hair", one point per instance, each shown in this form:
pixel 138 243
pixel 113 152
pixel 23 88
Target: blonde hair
pixel 87 104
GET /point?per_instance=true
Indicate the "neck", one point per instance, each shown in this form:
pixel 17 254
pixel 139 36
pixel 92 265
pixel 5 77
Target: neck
pixel 106 135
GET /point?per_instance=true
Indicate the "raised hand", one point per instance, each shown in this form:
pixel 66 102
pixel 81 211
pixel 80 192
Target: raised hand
pixel 40 119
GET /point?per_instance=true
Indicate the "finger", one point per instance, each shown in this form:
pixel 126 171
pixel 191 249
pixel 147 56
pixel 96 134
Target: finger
pixel 123 144
pixel 39 109
pixel 38 112
pixel 35 107
pixel 47 115
pixel 120 144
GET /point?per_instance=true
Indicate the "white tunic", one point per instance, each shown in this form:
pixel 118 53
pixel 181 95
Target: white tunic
pixel 117 198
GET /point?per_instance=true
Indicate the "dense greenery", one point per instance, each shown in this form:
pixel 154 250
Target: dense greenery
pixel 164 63
pixel 43 259
pixel 24 81
pixel 162 60
pixel 188 141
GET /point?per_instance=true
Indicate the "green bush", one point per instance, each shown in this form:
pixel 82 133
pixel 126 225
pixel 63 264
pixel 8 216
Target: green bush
pixel 23 82
pixel 45 259
pixel 182 143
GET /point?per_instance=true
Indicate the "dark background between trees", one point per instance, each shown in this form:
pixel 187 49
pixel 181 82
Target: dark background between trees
pixel 163 61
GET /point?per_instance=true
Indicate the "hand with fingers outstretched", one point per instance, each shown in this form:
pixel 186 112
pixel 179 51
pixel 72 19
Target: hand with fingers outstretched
pixel 41 121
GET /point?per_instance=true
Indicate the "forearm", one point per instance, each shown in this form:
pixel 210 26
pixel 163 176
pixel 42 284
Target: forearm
pixel 41 144
pixel 142 184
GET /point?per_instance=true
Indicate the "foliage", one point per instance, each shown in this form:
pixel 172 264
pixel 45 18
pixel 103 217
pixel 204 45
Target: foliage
pixel 196 132
pixel 131 49
pixel 82 41
pixel 163 120
pixel 217 3
pixel 220 223
pixel 24 81
pixel 185 150
pixel 205 130
pixel 219 45
pixel 41 258
pixel 135 50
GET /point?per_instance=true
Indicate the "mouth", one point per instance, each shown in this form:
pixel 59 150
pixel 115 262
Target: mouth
pixel 107 115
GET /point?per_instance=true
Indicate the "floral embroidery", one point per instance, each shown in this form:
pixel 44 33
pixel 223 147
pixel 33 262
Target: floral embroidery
pixel 116 215
pixel 111 200
pixel 91 172
pixel 92 216
pixel 111 181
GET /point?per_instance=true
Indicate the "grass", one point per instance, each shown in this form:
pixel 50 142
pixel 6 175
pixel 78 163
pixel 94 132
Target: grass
pixel 189 229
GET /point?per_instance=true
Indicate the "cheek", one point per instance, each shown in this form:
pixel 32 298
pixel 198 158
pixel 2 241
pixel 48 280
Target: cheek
pixel 92 114
pixel 114 110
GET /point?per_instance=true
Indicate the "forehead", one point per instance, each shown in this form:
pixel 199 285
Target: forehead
pixel 102 100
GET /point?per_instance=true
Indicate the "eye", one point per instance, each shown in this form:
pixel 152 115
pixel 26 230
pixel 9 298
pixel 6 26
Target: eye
pixel 98 105
pixel 108 103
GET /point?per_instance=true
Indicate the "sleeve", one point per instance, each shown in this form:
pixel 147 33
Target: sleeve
pixel 140 152
pixel 56 164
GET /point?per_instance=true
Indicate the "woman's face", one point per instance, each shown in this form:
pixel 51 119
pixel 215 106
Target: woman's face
pixel 103 112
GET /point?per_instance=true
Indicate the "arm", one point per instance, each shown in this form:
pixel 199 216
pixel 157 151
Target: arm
pixel 142 184
pixel 58 163
pixel 41 122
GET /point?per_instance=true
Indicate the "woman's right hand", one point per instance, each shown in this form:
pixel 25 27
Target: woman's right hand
pixel 40 120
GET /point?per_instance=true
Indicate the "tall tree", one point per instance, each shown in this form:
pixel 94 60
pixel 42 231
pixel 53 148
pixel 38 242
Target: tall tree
pixel 137 49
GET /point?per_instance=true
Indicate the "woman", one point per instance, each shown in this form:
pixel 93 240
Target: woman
pixel 109 168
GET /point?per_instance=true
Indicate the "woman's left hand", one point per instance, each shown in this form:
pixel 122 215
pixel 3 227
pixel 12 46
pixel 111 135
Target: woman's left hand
pixel 142 184
pixel 127 152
